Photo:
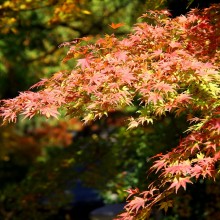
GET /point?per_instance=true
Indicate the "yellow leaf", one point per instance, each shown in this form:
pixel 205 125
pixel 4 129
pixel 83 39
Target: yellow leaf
pixel 23 6
pixel 8 4
pixel 86 12
pixel 200 156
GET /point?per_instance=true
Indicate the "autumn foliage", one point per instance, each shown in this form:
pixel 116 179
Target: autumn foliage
pixel 170 66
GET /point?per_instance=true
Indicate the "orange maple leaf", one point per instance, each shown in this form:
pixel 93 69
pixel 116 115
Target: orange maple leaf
pixel 115 26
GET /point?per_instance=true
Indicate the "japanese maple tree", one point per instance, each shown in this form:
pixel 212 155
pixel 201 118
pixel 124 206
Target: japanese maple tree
pixel 169 66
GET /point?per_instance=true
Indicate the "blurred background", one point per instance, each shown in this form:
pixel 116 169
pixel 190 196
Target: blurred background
pixel 60 169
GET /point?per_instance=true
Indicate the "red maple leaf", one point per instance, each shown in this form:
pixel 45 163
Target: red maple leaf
pixel 150 193
pixel 40 83
pixel 124 216
pixel 214 124
pixel 163 87
pixel 126 75
pixel 135 204
pixel 154 97
pixel 159 164
pixel 121 55
pixel 178 182
pixel 84 62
